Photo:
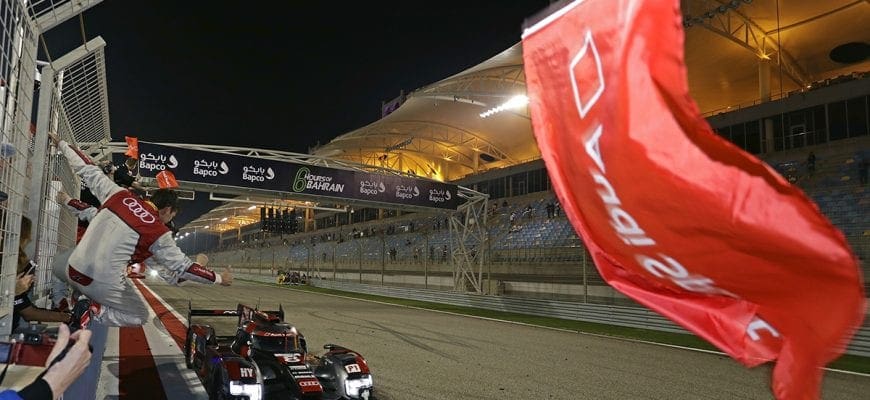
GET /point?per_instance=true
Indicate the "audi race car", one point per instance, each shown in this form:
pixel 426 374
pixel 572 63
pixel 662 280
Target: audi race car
pixel 268 358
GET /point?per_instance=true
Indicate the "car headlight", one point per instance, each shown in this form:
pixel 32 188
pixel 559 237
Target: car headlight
pixel 353 386
pixel 253 391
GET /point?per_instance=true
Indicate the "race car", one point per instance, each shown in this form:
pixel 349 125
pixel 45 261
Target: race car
pixel 268 358
pixel 292 278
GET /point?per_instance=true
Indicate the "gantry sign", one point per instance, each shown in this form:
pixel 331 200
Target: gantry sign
pixel 200 166
pixel 466 208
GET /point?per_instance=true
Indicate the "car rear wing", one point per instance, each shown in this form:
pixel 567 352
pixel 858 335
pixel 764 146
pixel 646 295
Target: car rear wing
pixel 242 312
pixel 201 312
pixel 248 313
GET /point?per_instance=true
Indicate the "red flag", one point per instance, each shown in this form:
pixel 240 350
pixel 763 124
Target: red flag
pixel 166 180
pixel 674 216
pixel 132 147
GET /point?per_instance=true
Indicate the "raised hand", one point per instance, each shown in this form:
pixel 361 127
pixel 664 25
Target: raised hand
pixel 227 277
pixel 62 198
pixel 62 374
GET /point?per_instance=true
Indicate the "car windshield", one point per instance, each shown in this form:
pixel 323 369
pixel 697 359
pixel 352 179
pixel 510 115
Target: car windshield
pixel 275 344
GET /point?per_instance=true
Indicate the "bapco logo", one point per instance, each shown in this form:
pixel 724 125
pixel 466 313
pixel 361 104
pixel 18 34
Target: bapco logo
pixel 407 192
pixel 371 187
pixel 257 174
pixel 210 168
pixel 157 162
pixel 439 195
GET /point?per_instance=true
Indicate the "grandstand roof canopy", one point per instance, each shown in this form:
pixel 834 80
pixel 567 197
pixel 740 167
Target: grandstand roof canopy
pixel 725 43
pixel 438 132
pixel 724 67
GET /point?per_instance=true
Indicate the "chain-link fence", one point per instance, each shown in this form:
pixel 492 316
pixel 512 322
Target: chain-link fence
pixel 18 39
pixel 70 102
pixel 55 226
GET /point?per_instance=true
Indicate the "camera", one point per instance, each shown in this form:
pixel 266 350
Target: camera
pixel 31 347
pixel 31 268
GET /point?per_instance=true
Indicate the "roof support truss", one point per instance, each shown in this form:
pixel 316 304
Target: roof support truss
pixel 729 23
pixel 468 239
pixel 450 143
pixel 480 87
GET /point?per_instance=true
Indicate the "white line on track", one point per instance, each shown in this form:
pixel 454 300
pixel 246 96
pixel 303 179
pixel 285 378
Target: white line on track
pixel 108 385
pixel 181 318
pixel 178 381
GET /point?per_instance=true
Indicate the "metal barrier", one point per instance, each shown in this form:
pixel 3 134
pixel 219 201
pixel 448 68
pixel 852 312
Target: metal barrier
pixel 72 103
pixel 76 109
pixel 632 317
pixel 18 39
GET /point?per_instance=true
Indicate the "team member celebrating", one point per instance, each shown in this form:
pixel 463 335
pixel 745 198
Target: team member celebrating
pixel 126 230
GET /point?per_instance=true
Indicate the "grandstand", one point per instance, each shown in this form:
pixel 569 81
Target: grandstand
pixel 535 255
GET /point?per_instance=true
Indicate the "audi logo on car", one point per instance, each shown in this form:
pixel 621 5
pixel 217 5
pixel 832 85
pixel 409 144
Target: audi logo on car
pixel 138 210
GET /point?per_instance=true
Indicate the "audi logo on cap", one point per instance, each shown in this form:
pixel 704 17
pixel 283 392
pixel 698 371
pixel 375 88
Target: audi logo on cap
pixel 138 210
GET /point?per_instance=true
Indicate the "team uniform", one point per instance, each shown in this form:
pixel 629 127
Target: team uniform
pixel 85 212
pixel 125 230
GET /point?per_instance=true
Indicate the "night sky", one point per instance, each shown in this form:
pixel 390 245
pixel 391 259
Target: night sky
pixel 278 74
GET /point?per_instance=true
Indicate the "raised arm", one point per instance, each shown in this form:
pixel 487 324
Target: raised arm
pixel 101 185
pixel 83 211
pixel 180 267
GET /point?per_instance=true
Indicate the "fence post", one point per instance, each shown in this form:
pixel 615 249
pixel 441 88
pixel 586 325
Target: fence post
pixel 426 262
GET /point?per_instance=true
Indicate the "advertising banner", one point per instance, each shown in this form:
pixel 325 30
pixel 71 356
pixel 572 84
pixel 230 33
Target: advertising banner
pixel 199 166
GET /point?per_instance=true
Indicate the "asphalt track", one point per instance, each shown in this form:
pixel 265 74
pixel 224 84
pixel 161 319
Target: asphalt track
pixel 418 354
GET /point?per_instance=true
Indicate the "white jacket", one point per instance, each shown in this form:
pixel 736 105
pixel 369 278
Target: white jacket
pixel 126 230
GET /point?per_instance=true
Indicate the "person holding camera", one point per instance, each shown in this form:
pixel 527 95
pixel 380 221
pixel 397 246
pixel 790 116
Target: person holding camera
pixel 23 308
pixel 126 230
pixel 60 372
